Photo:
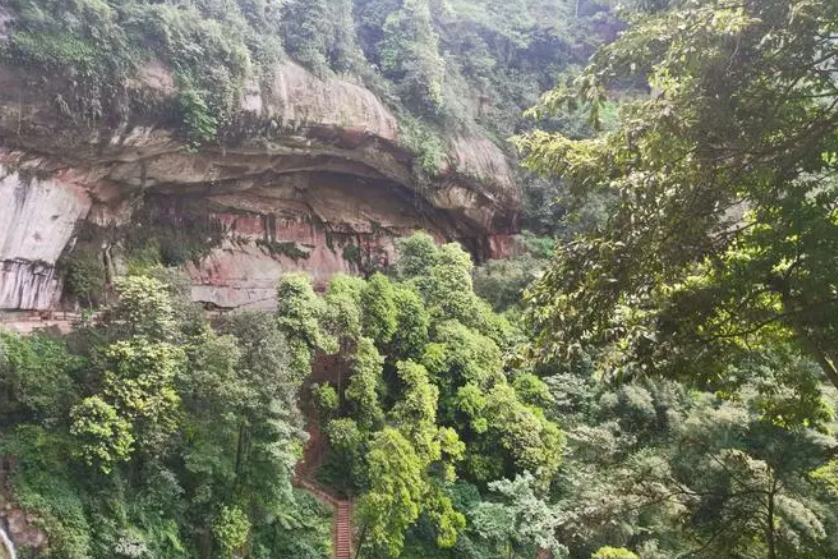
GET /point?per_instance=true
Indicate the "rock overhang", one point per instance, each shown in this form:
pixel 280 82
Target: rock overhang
pixel 324 153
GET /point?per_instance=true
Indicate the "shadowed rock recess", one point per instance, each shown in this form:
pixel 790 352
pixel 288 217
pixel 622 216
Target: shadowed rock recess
pixel 308 175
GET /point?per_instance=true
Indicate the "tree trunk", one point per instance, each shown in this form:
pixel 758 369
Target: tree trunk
pixel 770 526
pixel 241 447
pixel 827 364
pixel 809 344
pixel 361 538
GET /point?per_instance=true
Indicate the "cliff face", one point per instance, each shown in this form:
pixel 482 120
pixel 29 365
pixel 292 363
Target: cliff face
pixel 311 176
pixel 37 220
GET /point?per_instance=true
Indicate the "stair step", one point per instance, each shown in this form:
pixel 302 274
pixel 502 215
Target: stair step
pixel 343 530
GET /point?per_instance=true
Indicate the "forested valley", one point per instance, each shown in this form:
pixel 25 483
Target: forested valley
pixel 651 373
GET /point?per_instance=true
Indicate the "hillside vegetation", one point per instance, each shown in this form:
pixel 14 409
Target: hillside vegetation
pixel 443 65
pixel 654 378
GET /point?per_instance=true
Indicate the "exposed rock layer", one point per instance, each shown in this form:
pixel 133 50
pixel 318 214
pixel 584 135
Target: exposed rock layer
pixel 310 176
pixel 21 530
pixel 37 221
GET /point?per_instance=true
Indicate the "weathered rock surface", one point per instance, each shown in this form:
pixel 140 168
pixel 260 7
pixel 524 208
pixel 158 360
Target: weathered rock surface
pixel 309 175
pixel 22 528
pixel 37 221
pixel 300 99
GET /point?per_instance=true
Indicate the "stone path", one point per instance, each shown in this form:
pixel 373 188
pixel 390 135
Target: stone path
pixel 343 530
pixel 342 519
pixel 313 455
pixel 26 322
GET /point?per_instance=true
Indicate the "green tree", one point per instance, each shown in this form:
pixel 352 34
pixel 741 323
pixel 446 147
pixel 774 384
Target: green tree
pixel 320 34
pixel 379 309
pixel 366 383
pixel 348 446
pixel 269 436
pixel 326 399
pixel 137 402
pixel 143 308
pixel 608 552
pixel 447 285
pixel 502 282
pixel 307 33
pixel 532 390
pixel 722 237
pixel 35 381
pixel 530 442
pixel 668 471
pixel 343 309
pixel 827 475
pixel 231 529
pixel 409 54
pixel 85 275
pixel 412 323
pixel 192 433
pixel 393 501
pixel 460 356
pixel 415 412
pixel 105 438
pixel 214 399
pixel 417 254
pixel 521 522
pixel 300 313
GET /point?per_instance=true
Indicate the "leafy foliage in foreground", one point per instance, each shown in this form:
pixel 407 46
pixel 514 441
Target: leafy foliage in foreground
pixel 723 236
pixel 715 268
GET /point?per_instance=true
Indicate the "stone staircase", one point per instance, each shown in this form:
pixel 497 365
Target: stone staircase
pixel 313 455
pixel 342 520
pixel 343 531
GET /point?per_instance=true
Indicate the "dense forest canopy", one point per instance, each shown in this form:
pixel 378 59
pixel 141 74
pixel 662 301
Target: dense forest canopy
pixel 654 377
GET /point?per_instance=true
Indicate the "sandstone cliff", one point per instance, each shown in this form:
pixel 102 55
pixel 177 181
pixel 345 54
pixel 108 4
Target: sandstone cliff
pixel 311 176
